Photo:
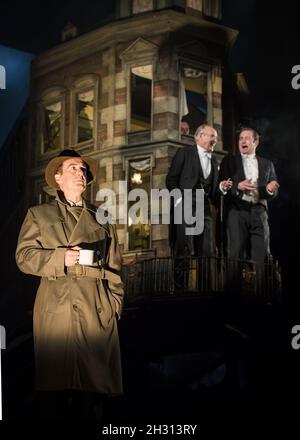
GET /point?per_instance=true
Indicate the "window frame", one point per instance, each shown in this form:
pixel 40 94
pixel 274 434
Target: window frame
pixel 50 96
pixel 126 167
pixel 129 65
pixel 80 85
pixel 129 68
pixel 139 53
pixel 208 69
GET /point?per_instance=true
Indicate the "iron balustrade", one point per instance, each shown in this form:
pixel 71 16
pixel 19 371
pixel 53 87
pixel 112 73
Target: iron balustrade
pixel 202 275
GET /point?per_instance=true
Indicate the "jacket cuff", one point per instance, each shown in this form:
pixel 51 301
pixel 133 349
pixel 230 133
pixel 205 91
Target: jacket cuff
pixel 58 258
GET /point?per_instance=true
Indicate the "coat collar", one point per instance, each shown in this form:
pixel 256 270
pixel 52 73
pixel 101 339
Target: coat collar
pixel 87 225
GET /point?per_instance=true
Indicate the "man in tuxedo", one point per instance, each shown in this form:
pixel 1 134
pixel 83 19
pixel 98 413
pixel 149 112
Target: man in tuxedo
pixel 254 182
pixel 195 167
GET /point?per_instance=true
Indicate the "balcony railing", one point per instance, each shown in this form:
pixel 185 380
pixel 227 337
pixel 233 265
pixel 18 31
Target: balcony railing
pixel 205 276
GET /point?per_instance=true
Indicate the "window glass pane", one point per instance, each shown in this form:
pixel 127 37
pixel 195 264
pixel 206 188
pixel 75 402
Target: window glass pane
pixel 139 178
pixel 194 97
pixel 141 94
pixel 52 126
pixel 85 115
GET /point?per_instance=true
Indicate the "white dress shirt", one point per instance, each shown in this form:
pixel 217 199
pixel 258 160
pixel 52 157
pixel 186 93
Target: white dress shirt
pixel 250 166
pixel 205 159
pixel 80 203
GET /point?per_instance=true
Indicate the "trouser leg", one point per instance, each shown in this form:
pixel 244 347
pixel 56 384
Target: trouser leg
pixel 237 229
pixel 259 242
pixel 204 250
pixel 183 251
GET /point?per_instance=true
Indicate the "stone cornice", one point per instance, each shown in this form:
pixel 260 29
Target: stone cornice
pixel 129 29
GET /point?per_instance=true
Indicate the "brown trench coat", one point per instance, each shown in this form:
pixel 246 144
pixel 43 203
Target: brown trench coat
pixel 74 323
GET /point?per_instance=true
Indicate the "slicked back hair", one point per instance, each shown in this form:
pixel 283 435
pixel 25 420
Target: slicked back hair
pixel 254 132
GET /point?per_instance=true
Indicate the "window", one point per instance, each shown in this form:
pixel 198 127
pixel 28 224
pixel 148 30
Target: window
pixel 85 116
pixel 194 97
pixel 51 120
pixel 52 126
pixel 139 226
pixel 141 97
pixel 84 110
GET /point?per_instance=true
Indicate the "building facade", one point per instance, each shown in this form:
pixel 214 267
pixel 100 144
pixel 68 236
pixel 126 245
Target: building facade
pixel 120 94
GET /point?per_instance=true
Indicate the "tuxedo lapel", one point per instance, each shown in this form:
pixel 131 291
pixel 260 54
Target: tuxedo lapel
pixel 196 161
pixel 214 169
pixel 240 168
pixel 261 171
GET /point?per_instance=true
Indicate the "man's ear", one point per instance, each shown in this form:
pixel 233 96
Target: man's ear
pixel 57 177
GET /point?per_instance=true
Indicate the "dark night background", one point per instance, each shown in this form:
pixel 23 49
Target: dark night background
pixel 267 47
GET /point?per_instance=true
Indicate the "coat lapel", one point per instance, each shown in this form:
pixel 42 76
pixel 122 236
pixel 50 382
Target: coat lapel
pixel 240 169
pixel 215 171
pixel 55 226
pixel 87 229
pixel 261 172
pixel 196 162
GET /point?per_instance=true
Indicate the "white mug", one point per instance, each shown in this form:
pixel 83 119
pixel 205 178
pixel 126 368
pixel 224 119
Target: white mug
pixel 86 257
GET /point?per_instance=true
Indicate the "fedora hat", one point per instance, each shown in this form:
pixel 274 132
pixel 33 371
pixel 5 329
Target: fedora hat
pixel 54 164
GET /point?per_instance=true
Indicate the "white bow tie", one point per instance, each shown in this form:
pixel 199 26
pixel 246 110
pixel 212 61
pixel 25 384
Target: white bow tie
pixel 207 155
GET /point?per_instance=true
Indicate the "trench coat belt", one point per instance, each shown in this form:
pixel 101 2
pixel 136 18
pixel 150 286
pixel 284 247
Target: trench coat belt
pixel 93 272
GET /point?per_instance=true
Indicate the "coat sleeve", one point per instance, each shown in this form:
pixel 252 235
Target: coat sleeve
pixel 115 283
pixel 31 257
pixel 225 173
pixel 271 176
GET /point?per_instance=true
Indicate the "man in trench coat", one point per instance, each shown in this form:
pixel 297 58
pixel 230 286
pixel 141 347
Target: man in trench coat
pixel 77 306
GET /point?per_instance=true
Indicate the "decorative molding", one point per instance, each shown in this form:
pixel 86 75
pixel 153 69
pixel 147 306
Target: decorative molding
pixel 120 31
pixel 139 49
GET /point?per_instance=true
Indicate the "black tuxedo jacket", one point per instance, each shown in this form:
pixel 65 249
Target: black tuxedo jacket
pixel 232 167
pixel 186 169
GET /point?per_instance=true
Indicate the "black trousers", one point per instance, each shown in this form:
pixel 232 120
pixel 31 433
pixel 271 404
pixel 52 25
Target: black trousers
pixel 247 239
pixel 248 233
pixel 201 245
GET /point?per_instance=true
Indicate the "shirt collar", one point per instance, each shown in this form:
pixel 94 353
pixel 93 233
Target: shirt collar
pixel 60 197
pixel 203 152
pixel 80 203
pixel 248 156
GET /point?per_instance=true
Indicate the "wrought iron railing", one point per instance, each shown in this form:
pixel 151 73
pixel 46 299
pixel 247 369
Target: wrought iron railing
pixel 163 276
